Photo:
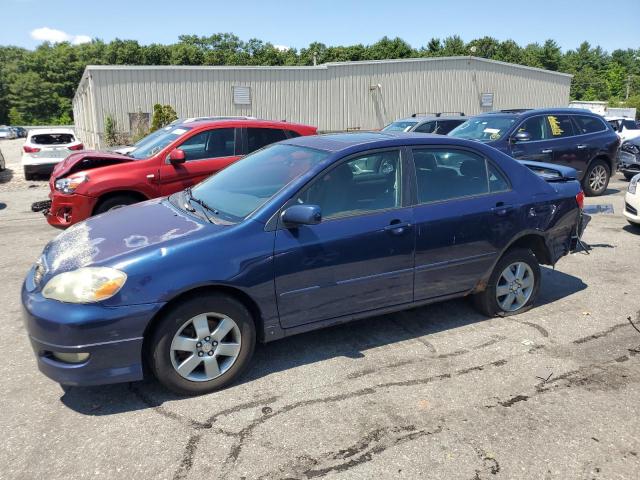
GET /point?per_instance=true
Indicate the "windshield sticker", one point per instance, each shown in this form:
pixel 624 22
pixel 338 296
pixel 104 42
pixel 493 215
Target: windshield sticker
pixel 491 130
pixel 495 136
pixel 178 131
pixel 556 131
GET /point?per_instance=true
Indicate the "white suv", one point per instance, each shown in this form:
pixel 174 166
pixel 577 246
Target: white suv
pixel 46 147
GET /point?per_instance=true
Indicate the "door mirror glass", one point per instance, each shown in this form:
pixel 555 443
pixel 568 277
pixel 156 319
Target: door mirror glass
pixel 301 215
pixel 521 137
pixel 177 156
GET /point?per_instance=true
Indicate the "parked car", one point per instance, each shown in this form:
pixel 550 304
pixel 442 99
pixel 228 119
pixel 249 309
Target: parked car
pixel 306 233
pixel 91 182
pixel 45 148
pixel 629 158
pixel 626 128
pixel 21 132
pixel 427 123
pixel 632 201
pixel 3 163
pixel 568 136
pixel 7 133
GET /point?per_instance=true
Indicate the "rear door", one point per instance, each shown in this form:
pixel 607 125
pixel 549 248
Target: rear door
pixel 207 152
pixel 465 210
pixel 257 137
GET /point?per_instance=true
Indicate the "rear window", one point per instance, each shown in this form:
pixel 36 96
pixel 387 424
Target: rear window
pixel 261 137
pixel 52 139
pixel 589 124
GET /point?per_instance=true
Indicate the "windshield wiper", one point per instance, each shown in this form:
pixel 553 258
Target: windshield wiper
pixel 202 203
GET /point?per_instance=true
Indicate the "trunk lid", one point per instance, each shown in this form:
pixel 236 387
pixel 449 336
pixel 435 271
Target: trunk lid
pixel 551 172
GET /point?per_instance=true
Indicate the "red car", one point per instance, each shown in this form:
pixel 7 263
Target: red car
pixel 91 182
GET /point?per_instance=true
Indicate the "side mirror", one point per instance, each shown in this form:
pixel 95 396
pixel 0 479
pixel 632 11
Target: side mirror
pixel 177 156
pixel 301 215
pixel 521 137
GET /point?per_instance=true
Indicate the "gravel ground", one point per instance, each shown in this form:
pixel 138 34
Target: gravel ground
pixel 436 392
pixel 12 178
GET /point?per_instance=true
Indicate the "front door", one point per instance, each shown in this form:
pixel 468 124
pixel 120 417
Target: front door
pixel 206 153
pixel 360 257
pixel 540 147
pixel 465 209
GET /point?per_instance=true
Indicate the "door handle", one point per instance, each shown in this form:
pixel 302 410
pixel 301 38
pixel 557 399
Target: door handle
pixel 581 146
pixel 151 176
pixel 547 150
pixel 501 210
pixel 396 227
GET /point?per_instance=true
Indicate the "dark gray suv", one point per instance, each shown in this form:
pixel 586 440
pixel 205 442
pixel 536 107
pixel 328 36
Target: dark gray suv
pixel 427 123
pixel 566 136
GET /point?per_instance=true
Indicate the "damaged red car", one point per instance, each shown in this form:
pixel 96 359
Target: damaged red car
pixel 88 183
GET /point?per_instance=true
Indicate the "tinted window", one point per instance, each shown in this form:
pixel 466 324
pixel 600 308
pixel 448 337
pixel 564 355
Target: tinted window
pixel 244 186
pixel 560 126
pixel 588 124
pixel 537 127
pixel 497 181
pixel 445 126
pixel 367 183
pixel 52 139
pixel 629 125
pixel 210 144
pixel 427 127
pixel 293 134
pixel 447 174
pixel 261 137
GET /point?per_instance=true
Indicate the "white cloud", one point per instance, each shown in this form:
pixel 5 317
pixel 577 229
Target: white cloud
pixel 46 34
pixel 282 48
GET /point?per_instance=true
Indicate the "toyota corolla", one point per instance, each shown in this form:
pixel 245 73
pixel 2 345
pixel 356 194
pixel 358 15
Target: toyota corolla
pixel 306 233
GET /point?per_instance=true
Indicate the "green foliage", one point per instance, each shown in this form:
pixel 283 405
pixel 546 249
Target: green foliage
pixel 37 86
pixel 15 118
pixel 163 115
pixel 110 131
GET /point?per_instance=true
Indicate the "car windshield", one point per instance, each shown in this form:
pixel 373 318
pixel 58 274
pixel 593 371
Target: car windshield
pixel 399 127
pixel 484 129
pixel 246 185
pixel 153 145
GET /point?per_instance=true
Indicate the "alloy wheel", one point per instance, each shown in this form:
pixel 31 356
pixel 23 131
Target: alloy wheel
pixel 515 286
pixel 205 347
pixel 598 178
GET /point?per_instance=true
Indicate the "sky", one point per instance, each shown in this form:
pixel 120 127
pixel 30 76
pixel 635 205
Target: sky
pixel 288 23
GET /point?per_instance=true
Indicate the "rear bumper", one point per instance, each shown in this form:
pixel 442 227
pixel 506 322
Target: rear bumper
pixel 43 169
pixel 66 210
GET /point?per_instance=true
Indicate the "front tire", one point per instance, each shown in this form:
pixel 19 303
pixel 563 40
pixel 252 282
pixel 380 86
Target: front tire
pixel 596 180
pixel 513 285
pixel 114 203
pixel 202 344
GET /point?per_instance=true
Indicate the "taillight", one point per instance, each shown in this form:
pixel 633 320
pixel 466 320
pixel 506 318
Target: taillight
pixel 28 149
pixel 77 147
pixel 580 199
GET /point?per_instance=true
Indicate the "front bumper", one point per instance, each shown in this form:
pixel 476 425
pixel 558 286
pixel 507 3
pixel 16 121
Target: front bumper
pixel 628 162
pixel 632 207
pixel 112 336
pixel 66 210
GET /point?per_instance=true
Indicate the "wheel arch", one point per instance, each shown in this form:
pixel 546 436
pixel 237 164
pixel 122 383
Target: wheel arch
pixel 141 197
pixel 195 292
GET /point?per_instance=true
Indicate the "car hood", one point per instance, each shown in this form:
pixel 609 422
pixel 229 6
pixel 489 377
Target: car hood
pixel 86 160
pixel 108 238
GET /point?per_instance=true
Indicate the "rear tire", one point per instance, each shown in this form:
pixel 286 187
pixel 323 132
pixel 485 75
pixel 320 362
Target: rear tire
pixel 596 179
pixel 28 176
pixel 503 297
pixel 114 203
pixel 189 351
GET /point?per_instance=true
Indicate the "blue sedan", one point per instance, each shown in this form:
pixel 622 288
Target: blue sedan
pixel 303 234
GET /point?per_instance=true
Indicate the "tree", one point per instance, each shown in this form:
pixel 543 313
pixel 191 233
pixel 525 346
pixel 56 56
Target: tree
pixel 163 115
pixel 453 46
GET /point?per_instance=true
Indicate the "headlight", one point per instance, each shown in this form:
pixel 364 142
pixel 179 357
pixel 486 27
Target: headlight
pixel 633 184
pixel 69 184
pixel 85 285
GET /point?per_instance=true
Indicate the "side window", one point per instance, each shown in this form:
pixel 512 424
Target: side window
pixel 210 144
pixel 447 174
pixel 365 184
pixel 560 126
pixel 445 126
pixel 537 127
pixel 497 181
pixel 588 124
pixel 261 137
pixel 292 134
pixel 427 127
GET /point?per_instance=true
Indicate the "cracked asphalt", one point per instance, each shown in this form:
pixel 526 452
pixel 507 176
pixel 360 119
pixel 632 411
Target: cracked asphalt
pixel 436 392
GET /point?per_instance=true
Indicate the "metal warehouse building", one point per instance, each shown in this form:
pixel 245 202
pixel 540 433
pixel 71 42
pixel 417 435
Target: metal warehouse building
pixel 332 96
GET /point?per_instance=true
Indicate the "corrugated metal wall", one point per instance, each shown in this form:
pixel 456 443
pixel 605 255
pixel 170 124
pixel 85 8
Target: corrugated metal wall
pixel 337 96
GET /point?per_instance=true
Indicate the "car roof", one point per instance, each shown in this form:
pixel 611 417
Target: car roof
pixel 336 142
pixel 428 118
pixel 541 111
pixel 246 121
pixel 45 131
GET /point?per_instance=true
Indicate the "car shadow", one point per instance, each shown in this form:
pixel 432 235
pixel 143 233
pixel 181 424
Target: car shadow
pixel 6 175
pixel 633 229
pixel 348 340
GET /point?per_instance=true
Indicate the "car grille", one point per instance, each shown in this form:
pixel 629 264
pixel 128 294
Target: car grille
pixel 630 209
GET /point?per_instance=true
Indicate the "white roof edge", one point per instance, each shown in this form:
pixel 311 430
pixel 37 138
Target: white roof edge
pixel 323 66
